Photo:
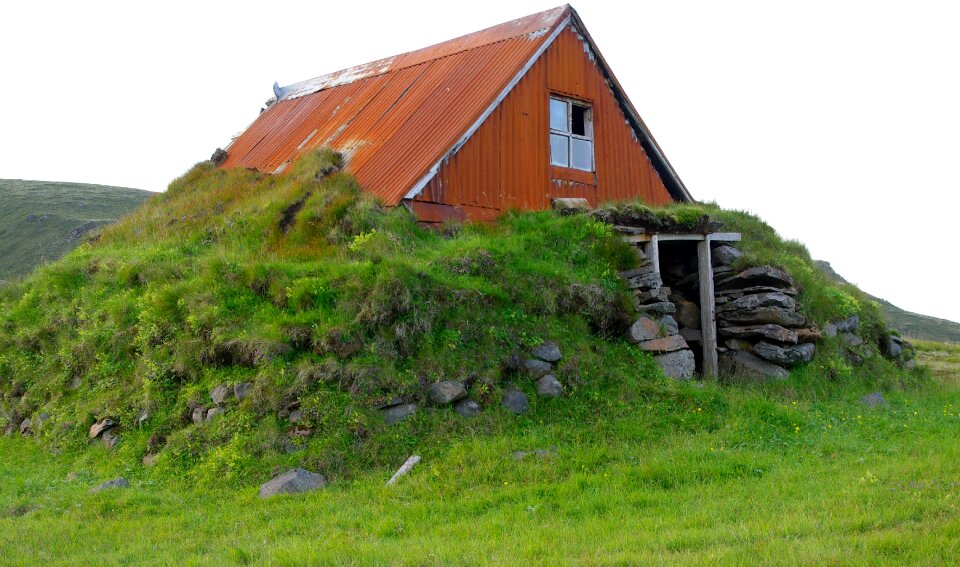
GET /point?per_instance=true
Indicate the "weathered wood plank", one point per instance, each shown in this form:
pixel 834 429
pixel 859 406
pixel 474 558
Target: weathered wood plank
pixel 708 324
pixel 724 237
pixel 652 250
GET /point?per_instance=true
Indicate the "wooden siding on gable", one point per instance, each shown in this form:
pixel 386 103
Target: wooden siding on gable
pixel 506 163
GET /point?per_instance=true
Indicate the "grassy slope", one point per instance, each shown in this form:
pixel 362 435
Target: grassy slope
pixel 913 325
pixel 713 476
pixel 57 209
pixel 202 286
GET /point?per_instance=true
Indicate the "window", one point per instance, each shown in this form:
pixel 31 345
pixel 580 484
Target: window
pixel 571 134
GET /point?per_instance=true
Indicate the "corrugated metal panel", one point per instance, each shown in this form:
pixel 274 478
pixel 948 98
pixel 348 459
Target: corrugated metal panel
pixel 505 164
pixel 396 118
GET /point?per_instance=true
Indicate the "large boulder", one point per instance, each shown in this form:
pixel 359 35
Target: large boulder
pixel 767 331
pixel 761 275
pixel 680 364
pixel 547 351
pixel 747 365
pixel 785 355
pixel 763 315
pixel 447 391
pixel 664 345
pixel 292 482
pixel 644 329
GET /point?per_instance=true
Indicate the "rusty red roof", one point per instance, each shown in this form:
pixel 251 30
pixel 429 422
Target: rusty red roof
pixel 396 119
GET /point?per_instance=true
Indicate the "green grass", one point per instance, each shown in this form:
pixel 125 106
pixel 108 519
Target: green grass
pixel 37 217
pixel 304 286
pixel 689 476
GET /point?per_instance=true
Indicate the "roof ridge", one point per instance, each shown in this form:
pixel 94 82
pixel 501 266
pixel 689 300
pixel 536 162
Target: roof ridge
pixel 547 19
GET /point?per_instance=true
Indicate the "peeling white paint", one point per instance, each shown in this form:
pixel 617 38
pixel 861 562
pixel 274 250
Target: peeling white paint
pixel 537 34
pixel 336 79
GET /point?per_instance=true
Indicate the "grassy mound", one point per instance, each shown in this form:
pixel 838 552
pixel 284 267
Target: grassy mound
pixel 304 286
pixel 40 221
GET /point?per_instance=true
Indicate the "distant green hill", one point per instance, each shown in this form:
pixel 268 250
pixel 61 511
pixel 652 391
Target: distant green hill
pixel 908 323
pixel 40 221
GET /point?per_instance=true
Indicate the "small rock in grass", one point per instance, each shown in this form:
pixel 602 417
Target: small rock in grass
pixel 396 413
pixel 198 415
pixel 242 390
pixel 292 482
pixel 296 416
pixel 110 438
pixel 874 399
pixel 680 364
pixel 213 413
pixel 447 391
pixel 219 394
pixel 25 426
pixel 467 407
pixel 99 427
pixel 548 351
pixel 549 386
pixel 149 460
pixel 113 483
pixel 515 401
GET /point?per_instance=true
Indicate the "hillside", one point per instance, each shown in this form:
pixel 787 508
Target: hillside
pixel 913 325
pixel 239 325
pixel 40 221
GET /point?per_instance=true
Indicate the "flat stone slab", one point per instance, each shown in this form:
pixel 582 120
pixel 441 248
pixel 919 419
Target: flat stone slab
pixel 758 300
pixel 785 355
pixel 745 364
pixel 292 482
pixel 664 345
pixel 763 315
pixel 761 275
pixel 767 331
pixel 397 413
pixel 680 364
pixel 660 308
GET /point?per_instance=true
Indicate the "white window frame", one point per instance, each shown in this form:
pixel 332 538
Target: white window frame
pixel 569 135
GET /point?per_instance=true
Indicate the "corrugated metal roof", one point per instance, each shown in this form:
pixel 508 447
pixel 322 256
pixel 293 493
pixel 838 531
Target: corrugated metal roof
pixel 395 118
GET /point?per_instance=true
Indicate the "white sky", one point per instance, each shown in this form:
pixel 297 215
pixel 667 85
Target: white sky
pixel 837 122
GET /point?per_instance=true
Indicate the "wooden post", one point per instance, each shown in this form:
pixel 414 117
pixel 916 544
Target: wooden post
pixel 708 325
pixel 653 252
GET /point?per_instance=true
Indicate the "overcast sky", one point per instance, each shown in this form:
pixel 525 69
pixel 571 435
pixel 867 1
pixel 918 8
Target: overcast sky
pixel 837 122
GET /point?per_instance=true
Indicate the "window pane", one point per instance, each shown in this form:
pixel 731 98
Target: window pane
pixel 558 115
pixel 559 150
pixel 582 155
pixel 578 119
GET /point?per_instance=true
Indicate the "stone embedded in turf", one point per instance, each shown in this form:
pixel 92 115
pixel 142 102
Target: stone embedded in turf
pixel 112 483
pixel 548 352
pixel 467 407
pixel 447 391
pixel 293 481
pixel 549 387
pixel 537 368
pixel 219 394
pixel 397 413
pixel 515 401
